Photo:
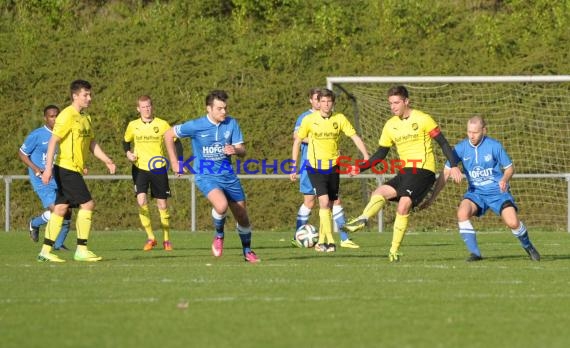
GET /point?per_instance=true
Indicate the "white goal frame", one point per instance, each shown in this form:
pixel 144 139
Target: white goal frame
pixel 331 81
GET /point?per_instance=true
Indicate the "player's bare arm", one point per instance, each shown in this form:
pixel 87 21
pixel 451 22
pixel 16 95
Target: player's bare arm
pixel 169 137
pixel 53 142
pixel 361 147
pixel 295 157
pixel 238 150
pixel 102 156
pixel 507 175
pixel 28 162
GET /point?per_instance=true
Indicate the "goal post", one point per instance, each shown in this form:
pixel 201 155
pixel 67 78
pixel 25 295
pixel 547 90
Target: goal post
pixel 530 115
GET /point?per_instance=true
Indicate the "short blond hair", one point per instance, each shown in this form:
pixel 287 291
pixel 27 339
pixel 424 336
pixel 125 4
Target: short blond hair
pixel 477 120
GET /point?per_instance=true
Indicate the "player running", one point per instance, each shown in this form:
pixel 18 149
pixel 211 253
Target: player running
pixel 215 138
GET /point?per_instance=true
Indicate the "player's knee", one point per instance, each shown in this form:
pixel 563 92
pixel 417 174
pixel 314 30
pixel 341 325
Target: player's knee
pixel 309 203
pixel 463 215
pixel 88 205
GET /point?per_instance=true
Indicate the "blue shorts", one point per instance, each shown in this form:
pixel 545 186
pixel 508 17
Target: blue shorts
pixel 493 202
pixel 230 186
pixel 305 185
pixel 46 193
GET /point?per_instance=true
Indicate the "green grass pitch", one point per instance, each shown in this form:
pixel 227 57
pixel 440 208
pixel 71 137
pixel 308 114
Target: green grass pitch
pixel 293 298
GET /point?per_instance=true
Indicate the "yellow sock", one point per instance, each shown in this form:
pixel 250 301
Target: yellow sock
pixel 53 227
pixel 144 216
pixel 46 249
pixel 165 223
pixel 400 225
pixel 325 217
pixel 376 203
pixel 83 223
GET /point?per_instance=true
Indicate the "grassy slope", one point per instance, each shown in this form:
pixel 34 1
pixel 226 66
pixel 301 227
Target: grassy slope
pixel 265 53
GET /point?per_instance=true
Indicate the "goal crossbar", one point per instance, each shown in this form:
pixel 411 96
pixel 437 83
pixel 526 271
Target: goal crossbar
pixel 445 79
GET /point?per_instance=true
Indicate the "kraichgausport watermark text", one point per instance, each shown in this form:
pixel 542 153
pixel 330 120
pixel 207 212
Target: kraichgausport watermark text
pixel 343 165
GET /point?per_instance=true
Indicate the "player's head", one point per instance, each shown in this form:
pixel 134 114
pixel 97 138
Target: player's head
pixel 314 98
pixel 476 129
pixel 216 105
pixel 50 113
pixel 80 93
pixel 398 99
pixel 144 106
pixel 326 99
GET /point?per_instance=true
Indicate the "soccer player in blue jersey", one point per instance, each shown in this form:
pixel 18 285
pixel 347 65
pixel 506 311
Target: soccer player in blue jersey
pixel 306 188
pixel 215 138
pixel 488 169
pixel 33 154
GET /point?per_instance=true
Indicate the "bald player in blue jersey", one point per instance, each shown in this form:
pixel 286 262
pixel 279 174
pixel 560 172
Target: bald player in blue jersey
pixel 488 169
pixel 33 153
pixel 216 137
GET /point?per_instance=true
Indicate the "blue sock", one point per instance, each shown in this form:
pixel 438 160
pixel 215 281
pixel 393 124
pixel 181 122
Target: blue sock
pixel 245 237
pixel 338 217
pixel 38 221
pixel 303 215
pixel 62 234
pixel 522 234
pixel 219 222
pixel 470 240
pixel 467 233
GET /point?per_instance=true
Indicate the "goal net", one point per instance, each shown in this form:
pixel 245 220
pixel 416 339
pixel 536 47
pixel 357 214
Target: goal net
pixel 530 115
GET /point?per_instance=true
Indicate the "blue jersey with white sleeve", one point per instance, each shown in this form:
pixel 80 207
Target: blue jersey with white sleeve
pixel 305 186
pixel 208 142
pixel 35 147
pixel 483 164
pixel 304 146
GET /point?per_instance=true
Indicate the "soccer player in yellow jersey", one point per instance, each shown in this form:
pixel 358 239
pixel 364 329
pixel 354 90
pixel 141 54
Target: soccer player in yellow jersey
pixel 74 134
pixel 323 129
pixel 148 156
pixel 411 131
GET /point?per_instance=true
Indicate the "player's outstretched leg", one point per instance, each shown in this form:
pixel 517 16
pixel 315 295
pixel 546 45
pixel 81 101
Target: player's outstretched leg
pixel 339 221
pixel 376 203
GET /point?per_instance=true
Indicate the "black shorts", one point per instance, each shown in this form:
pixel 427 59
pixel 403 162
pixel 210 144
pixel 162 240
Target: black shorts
pixel 414 185
pixel 325 182
pixel 158 183
pixel 71 187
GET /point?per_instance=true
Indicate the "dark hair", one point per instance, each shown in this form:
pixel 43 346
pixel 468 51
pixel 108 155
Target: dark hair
pixel 399 91
pixel 77 85
pixel 50 107
pixel 216 94
pixel 325 92
pixel 313 91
